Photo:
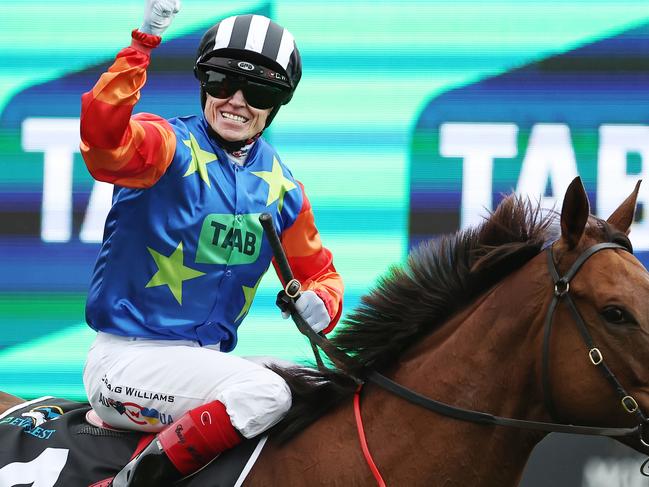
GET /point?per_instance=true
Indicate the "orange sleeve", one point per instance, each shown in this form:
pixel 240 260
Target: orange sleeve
pixel 132 151
pixel 311 263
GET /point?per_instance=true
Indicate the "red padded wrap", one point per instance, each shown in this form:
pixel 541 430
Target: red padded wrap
pixel 198 436
pixel 148 40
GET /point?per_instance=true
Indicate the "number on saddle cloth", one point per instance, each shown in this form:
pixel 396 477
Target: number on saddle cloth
pixel 52 443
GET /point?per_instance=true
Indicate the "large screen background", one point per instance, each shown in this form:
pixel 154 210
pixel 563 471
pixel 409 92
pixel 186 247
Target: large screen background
pixel 412 119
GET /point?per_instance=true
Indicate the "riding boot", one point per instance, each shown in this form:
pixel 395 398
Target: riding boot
pixel 181 448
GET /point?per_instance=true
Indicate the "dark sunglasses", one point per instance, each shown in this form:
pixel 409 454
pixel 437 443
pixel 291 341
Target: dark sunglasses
pixel 258 95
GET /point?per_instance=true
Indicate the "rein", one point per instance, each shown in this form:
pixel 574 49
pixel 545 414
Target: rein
pixel 561 292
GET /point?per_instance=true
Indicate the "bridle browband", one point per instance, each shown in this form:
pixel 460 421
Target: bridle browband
pixel 561 292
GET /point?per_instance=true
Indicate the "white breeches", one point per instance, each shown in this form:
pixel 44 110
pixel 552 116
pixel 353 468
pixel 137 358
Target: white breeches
pixel 145 384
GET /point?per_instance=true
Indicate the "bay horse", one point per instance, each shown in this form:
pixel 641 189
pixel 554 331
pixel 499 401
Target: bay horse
pixel 477 320
pixel 7 401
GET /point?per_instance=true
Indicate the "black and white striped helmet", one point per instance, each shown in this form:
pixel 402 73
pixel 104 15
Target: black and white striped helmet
pixel 254 39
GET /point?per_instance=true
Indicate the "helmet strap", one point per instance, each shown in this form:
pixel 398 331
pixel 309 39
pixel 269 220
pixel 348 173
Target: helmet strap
pixel 229 145
pixel 271 115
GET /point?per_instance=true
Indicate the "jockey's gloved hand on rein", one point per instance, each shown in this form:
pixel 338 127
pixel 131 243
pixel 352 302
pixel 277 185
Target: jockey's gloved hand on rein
pixel 311 308
pixel 158 15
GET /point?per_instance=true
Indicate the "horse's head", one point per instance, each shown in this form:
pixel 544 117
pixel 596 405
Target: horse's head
pixel 609 288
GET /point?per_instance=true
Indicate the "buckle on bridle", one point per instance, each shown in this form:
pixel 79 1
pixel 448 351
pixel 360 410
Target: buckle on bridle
pixel 630 405
pixel 597 358
pixel 561 287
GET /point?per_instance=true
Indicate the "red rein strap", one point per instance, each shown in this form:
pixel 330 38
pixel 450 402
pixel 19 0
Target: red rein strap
pixel 361 437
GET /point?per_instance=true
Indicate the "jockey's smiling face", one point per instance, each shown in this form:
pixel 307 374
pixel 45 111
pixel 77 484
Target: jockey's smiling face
pixel 233 119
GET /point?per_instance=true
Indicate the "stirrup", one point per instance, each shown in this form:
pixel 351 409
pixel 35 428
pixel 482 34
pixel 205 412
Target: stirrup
pixel 150 468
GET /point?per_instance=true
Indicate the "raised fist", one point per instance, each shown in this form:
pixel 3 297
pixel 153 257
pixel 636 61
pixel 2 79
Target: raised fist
pixel 158 15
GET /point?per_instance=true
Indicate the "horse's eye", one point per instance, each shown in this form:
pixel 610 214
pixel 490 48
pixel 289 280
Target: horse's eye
pixel 617 316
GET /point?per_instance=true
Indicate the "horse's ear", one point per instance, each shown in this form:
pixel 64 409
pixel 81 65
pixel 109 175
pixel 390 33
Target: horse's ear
pixel 574 213
pixel 622 218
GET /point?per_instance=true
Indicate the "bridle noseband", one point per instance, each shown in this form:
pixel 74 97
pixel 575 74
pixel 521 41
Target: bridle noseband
pixel 562 293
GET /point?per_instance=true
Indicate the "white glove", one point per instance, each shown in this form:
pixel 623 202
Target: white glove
pixel 312 309
pixel 158 15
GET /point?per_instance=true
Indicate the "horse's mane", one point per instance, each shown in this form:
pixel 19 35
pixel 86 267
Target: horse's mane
pixel 440 277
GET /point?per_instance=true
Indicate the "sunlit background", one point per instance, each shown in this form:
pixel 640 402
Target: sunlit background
pixel 412 119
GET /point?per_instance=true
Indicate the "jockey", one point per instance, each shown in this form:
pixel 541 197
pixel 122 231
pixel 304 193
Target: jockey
pixel 183 250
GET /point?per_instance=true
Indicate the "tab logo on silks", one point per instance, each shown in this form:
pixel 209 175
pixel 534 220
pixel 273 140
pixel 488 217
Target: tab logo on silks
pixel 532 130
pixel 230 239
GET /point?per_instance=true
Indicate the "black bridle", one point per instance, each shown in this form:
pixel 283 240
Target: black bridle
pixel 561 292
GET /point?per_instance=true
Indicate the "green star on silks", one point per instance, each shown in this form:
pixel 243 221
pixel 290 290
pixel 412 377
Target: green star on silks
pixel 200 159
pixel 278 185
pixel 172 272
pixel 249 294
